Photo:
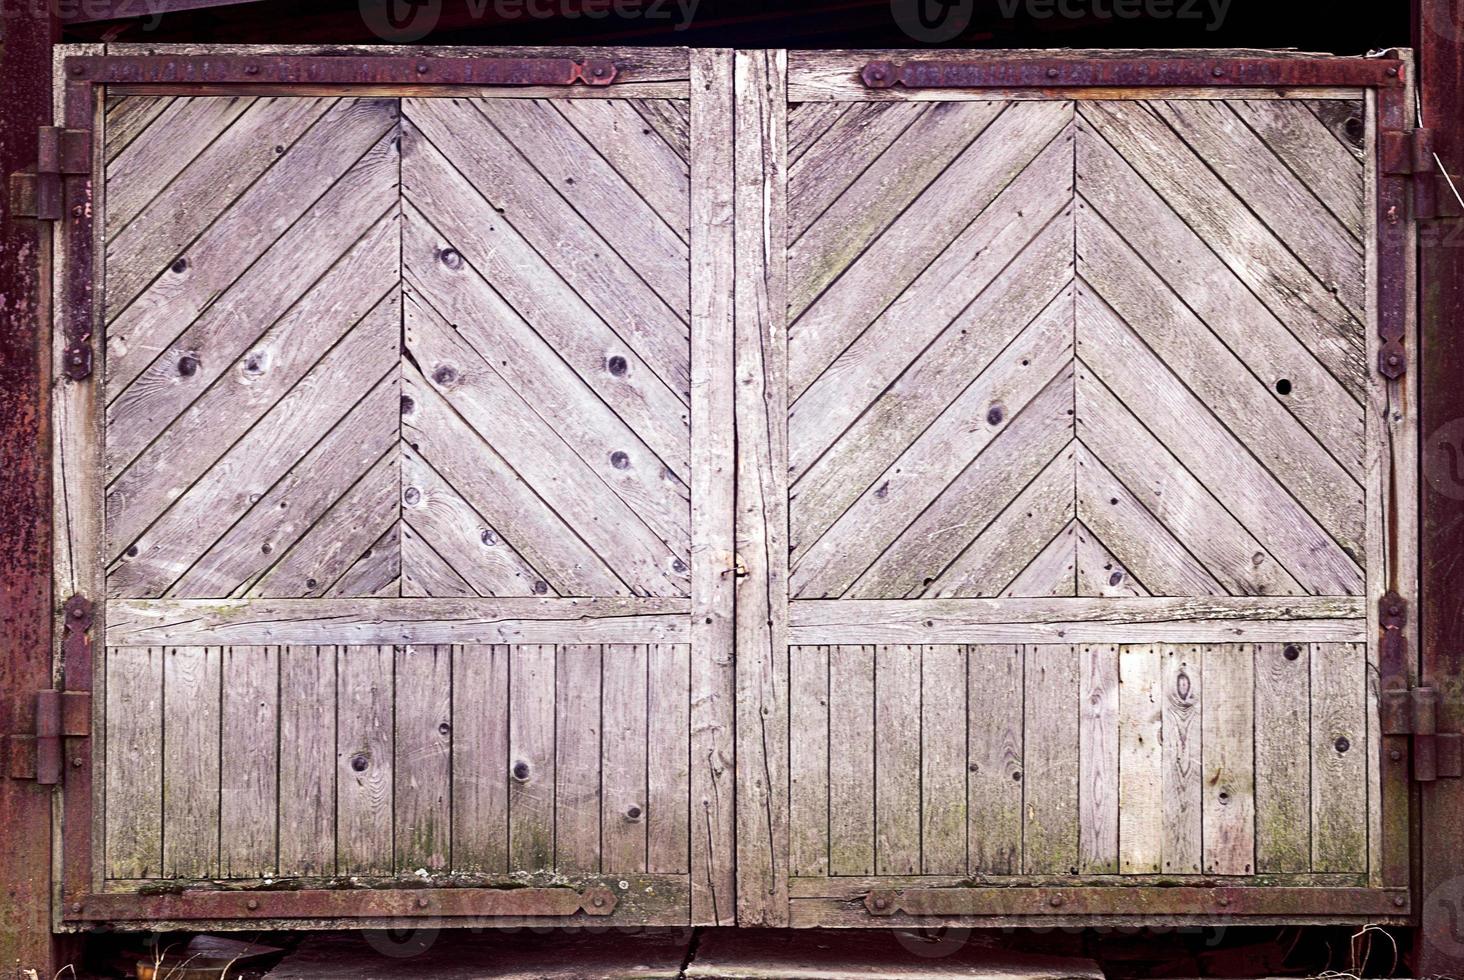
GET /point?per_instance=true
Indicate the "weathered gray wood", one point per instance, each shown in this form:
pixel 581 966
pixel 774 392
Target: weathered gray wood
pixel 480 766
pixel 1050 763
pixel 897 760
pixel 1097 571
pixel 638 153
pixel 531 756
pixel 851 760
pixel 191 749
pixel 713 584
pixel 132 622
pixel 1283 757
pixel 625 803
pixel 129 116
pixel 1339 748
pixel 668 762
pixel 576 717
pixel 1228 723
pixel 423 749
pixel 249 762
pixel 1100 737
pixel 808 761
pixel 760 215
pixel 134 754
pixel 307 821
pixel 806 123
pixel 943 747
pixel 1053 572
pixel 377 572
pixel 1182 682
pixel 366 762
pixel 427 573
pixel 995 758
pixel 1142 744
pixel 844 151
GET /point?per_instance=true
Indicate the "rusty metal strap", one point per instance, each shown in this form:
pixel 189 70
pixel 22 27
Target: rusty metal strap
pixel 337 70
pixel 346 904
pixel 1122 900
pixel 1131 73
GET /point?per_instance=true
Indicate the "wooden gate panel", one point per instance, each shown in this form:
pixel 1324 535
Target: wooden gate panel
pixel 396 760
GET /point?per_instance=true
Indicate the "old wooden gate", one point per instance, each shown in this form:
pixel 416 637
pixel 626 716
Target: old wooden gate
pixel 409 405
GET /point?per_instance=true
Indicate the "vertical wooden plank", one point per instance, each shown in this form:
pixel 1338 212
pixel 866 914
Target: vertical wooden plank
pixel 851 760
pixel 668 812
pixel 249 762
pixel 1050 807
pixel 422 767
pixel 364 760
pixel 134 777
pixel 761 413
pixel 897 760
pixel 531 758
pixel 808 761
pixel 1227 750
pixel 713 581
pixel 994 785
pixel 1141 761
pixel 943 742
pixel 623 823
pixel 191 762
pixel 576 718
pixel 1283 757
pixel 1183 672
pixel 1098 766
pixel 307 760
pixel 480 759
pixel 1339 750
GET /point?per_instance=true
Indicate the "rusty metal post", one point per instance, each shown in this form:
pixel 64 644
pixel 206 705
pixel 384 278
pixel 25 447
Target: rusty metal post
pixel 1439 40
pixel 27 32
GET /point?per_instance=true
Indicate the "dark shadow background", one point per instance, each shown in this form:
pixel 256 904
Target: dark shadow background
pixel 1338 26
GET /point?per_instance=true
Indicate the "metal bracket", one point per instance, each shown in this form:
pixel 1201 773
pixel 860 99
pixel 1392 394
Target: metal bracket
pixel 59 715
pixel 1405 709
pixel 36 193
pixel 1410 154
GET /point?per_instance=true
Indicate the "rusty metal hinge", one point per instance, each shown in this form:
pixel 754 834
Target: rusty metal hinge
pixel 1409 709
pixel 1410 153
pixel 37 192
pixel 59 715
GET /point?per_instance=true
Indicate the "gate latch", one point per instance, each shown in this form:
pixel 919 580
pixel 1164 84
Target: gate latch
pixel 1414 712
pixel 37 192
pixel 59 715
pixel 1410 153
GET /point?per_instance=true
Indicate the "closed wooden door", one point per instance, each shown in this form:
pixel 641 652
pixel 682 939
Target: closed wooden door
pixel 1072 464
pixel 410 496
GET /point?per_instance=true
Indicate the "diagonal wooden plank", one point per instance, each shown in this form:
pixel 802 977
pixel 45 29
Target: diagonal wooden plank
pixel 1015 539
pixel 1304 143
pixel 870 278
pixel 1052 572
pixel 1134 537
pixel 188 363
pixel 1099 573
pixel 271 519
pixel 490 485
pixel 561 163
pixel 918 397
pixel 836 159
pixel 531 445
pixel 1037 434
pixel 363 283
pixel 639 155
pixel 947 290
pixel 1185 506
pixel 327 549
pixel 1343 118
pixel 378 570
pixel 127 117
pixel 1187 428
pixel 1330 408
pixel 191 524
pixel 468 543
pixel 425 572
pixel 161 151
pixel 879 196
pixel 1288 209
pixel 532 231
pixel 1252 253
pixel 229 173
pixel 670 118
pixel 576 402
pixel 807 121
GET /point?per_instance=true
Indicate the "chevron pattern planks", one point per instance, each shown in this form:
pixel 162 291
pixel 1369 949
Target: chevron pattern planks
pixel 382 347
pixel 1075 349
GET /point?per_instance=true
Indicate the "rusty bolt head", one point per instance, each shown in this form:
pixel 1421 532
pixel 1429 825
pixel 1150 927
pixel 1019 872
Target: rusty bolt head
pixel 599 71
pixel 598 901
pixel 1222 901
pixel 76 906
pixel 881 903
pixel 1392 73
pixel 422 902
pixel 1055 901
pixel 253 904
pixel 1399 901
pixel 1218 72
pixel 422 68
pixel 1053 73
pixel 77 69
pixel 1395 755
pixel 76 763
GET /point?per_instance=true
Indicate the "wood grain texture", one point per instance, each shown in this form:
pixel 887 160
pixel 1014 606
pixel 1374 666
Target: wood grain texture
pixel 1100 738
pixel 134 844
pixel 851 760
pixel 897 760
pixel 480 767
pixel 191 705
pixel 308 760
pixel 249 762
pixel 1051 761
pixel 366 763
pixel 1283 757
pixel 995 758
pixel 808 761
pixel 1227 711
pixel 943 746
pixel 1142 743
